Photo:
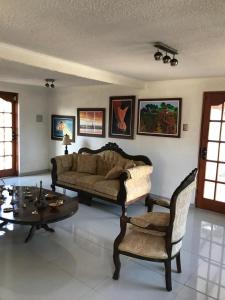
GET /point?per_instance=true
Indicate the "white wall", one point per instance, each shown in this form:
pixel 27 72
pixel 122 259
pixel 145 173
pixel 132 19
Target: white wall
pixel 33 137
pixel 172 158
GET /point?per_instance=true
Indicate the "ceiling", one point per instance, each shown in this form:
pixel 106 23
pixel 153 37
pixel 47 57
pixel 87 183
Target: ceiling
pixel 110 38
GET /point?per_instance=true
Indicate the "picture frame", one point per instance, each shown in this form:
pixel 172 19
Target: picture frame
pixel 61 125
pixel 91 122
pixel 121 117
pixel 159 117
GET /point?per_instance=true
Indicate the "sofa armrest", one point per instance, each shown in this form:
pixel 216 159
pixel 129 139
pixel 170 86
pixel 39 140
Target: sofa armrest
pixel 138 183
pixel 61 164
pixel 139 171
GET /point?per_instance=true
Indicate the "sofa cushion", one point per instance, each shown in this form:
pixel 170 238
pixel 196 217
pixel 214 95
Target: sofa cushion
pixel 74 162
pixel 103 166
pixel 70 177
pixel 114 173
pixel 107 187
pixel 129 164
pixel 88 181
pixel 87 163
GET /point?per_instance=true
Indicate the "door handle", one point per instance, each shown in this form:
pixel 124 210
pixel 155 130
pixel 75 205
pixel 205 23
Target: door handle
pixel 14 136
pixel 203 153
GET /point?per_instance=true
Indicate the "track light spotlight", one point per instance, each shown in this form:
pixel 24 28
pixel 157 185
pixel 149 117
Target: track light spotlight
pixel 174 62
pixel 48 81
pixel 166 58
pixel 158 55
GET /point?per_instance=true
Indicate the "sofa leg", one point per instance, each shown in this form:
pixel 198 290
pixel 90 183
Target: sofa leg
pixel 53 187
pixel 85 198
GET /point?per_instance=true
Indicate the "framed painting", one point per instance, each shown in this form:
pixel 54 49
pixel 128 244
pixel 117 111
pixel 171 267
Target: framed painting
pixel 91 122
pixel 121 117
pixel 159 117
pixel 62 125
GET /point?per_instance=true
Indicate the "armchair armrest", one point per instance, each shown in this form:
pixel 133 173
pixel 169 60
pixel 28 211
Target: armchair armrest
pixel 152 227
pixel 163 202
pixel 156 221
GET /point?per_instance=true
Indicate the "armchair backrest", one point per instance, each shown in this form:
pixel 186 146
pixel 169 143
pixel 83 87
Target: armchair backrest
pixel 180 203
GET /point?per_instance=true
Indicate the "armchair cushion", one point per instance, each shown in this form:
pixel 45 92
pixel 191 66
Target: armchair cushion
pixel 146 245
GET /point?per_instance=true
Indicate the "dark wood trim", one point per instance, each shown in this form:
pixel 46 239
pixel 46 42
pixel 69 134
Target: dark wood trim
pixel 103 122
pixel 121 136
pixel 116 148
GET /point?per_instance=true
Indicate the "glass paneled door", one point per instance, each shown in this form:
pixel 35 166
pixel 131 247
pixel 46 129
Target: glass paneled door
pixel 211 179
pixel 8 134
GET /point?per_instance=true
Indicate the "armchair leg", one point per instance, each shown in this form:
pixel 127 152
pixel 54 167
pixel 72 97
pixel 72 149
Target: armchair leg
pixel 149 203
pixel 179 270
pixel 117 263
pixel 167 264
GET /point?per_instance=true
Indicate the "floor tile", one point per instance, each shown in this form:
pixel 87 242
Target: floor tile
pixel 76 261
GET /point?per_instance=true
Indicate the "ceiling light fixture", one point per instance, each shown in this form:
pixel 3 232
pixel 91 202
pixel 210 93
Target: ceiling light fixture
pixel 158 55
pixel 50 83
pixel 166 58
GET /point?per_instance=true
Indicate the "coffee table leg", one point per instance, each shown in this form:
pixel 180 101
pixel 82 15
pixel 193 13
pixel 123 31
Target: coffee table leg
pixel 47 228
pixel 30 234
pixel 3 224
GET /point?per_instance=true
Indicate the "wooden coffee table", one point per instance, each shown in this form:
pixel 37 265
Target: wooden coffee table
pixel 25 212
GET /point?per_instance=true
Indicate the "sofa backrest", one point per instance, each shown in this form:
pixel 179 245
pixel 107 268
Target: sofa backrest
pixel 113 154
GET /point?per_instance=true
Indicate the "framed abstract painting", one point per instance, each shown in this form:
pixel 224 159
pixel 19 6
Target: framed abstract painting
pixel 91 122
pixel 121 117
pixel 62 125
pixel 159 117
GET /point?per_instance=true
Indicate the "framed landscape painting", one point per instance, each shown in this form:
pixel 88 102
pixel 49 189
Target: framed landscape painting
pixel 62 125
pixel 121 117
pixel 91 122
pixel 159 117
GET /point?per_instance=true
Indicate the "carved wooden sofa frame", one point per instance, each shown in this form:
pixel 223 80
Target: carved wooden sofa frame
pixel 86 197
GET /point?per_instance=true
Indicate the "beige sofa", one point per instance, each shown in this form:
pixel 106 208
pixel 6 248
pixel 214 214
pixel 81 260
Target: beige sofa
pixel 107 173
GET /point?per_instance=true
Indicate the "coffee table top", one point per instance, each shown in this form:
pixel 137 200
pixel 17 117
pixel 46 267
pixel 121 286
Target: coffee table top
pixel 28 214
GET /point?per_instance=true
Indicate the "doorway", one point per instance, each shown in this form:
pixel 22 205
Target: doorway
pixel 8 134
pixel 211 177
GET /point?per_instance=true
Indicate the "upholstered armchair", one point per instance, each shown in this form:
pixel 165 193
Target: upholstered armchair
pixel 157 236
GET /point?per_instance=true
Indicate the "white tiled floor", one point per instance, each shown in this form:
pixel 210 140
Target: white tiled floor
pixel 75 262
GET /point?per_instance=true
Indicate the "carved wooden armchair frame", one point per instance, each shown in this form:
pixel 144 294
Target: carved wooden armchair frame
pixel 165 230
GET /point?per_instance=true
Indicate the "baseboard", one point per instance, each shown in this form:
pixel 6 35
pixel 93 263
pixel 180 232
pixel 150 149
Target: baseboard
pixel 34 172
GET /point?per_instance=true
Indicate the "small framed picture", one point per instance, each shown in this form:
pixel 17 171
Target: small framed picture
pixel 62 125
pixel 91 122
pixel 159 117
pixel 121 117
